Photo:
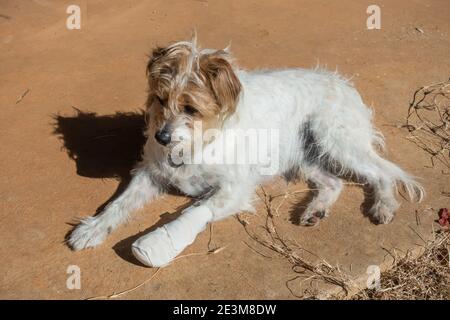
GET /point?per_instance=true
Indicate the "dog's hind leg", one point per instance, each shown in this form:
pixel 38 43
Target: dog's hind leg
pixel 93 230
pixel 383 176
pixel 345 141
pixel 328 189
pixel 381 182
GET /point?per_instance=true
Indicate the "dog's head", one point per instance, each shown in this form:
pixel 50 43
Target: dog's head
pixel 189 85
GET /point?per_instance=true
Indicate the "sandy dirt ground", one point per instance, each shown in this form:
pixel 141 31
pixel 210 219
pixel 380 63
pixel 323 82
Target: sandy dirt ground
pixel 73 137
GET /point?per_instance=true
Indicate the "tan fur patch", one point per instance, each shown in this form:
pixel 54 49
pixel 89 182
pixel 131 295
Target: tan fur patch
pixel 222 81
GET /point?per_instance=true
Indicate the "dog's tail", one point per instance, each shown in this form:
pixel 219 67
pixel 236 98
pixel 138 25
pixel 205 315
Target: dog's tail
pixel 415 190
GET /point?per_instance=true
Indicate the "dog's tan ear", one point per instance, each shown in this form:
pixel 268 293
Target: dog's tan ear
pixel 222 81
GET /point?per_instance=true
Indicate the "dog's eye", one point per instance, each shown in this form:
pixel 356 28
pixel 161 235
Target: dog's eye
pixel 190 110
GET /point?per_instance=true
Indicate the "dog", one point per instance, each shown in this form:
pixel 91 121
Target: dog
pixel 324 133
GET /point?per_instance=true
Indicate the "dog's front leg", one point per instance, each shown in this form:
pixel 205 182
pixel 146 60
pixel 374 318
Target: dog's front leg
pixel 93 230
pixel 159 247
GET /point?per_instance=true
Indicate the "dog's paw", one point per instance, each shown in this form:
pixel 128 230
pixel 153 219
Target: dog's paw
pixel 159 247
pixel 88 234
pixel 382 215
pixel 156 249
pixel 383 212
pixel 310 219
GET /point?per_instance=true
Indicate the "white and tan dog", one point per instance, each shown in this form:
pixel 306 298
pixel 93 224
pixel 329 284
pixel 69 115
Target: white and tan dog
pixel 324 133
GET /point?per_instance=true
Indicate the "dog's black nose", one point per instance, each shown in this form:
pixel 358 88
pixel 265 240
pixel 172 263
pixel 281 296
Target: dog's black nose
pixel 163 137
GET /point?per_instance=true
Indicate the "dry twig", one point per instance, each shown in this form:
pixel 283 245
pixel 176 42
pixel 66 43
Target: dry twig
pixel 119 294
pixel 22 96
pixel 428 121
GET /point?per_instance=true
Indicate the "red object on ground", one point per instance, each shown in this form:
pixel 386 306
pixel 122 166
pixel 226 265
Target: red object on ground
pixel 444 217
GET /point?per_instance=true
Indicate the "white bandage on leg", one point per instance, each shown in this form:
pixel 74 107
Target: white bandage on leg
pixel 160 247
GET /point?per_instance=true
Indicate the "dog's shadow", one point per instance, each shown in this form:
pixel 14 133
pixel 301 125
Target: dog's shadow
pixel 105 146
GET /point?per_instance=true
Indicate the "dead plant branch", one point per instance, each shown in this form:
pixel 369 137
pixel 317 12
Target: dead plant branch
pixel 428 121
